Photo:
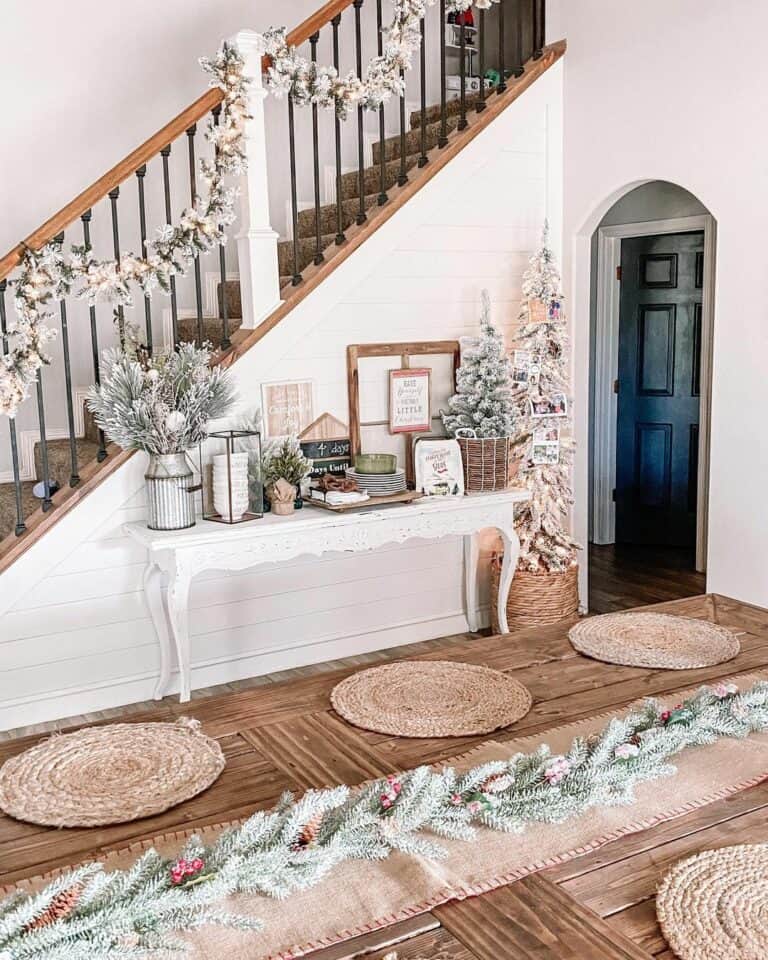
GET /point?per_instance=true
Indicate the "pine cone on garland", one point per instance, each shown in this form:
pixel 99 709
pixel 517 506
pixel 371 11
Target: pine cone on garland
pixel 308 834
pixel 58 909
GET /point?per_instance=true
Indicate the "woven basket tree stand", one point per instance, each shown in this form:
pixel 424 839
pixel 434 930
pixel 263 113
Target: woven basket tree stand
pixel 535 599
pixel 486 462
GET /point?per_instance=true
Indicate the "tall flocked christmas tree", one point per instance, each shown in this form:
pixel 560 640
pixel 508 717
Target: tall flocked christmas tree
pixel 484 400
pixel 543 442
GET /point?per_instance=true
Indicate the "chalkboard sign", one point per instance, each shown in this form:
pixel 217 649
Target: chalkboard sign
pixel 326 449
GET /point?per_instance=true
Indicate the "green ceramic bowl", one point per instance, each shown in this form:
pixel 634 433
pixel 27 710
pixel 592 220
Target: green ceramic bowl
pixel 376 463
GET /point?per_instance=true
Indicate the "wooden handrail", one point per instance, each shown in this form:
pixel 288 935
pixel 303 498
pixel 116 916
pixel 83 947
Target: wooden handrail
pixel 113 178
pixel 150 148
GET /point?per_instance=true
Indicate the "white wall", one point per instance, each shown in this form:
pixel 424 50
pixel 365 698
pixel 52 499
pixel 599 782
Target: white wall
pixel 74 629
pixel 675 93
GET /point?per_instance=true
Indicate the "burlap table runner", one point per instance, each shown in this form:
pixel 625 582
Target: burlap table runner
pixel 359 897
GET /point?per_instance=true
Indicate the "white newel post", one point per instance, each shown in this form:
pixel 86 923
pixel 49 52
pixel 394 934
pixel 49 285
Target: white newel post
pixel 256 240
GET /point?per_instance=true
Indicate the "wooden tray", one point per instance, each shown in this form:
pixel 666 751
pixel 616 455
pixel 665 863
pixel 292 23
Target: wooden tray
pixel 407 496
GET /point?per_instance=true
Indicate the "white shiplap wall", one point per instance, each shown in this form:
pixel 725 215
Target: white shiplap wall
pixel 74 629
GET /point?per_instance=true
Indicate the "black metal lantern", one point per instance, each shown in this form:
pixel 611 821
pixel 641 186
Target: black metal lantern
pixel 233 489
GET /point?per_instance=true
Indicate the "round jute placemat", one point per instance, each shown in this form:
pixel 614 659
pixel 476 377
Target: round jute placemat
pixel 110 774
pixel 656 640
pixel 714 906
pixel 430 698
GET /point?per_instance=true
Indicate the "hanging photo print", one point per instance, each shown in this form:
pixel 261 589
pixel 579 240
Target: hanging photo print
pixel 545 448
pixel 521 362
pixel 555 311
pixel 409 407
pixel 554 406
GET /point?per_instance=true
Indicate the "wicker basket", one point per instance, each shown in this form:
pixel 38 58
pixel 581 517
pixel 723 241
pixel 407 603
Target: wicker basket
pixel 535 598
pixel 486 463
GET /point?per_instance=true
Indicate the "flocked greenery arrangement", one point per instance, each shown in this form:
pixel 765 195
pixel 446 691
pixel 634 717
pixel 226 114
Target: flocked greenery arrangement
pixel 121 915
pixel 160 404
pixel 48 275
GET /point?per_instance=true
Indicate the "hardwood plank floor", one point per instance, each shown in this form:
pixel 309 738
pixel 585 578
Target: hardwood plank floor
pixel 282 734
pixel 623 576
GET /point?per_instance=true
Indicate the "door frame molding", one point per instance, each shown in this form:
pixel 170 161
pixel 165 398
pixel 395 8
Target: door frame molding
pixel 606 370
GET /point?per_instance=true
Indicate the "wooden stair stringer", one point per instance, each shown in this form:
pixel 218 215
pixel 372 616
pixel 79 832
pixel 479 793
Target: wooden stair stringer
pixel 94 473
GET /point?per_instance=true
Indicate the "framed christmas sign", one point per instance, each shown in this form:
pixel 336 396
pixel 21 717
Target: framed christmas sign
pixel 409 400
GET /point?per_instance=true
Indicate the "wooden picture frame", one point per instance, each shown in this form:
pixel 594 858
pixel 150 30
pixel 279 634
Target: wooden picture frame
pixel 403 352
pixel 410 406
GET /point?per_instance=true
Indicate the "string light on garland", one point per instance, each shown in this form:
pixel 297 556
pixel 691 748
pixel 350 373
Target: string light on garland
pixel 311 83
pixel 48 275
pixel 116 915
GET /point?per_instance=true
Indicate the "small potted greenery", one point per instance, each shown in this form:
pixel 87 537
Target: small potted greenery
pixel 284 467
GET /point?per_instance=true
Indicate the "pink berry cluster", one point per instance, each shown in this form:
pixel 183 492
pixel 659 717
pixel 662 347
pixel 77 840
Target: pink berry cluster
pixel 391 792
pixel 184 869
pixel 666 715
pixel 556 769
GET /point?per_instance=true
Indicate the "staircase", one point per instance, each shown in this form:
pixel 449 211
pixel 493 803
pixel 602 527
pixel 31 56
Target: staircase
pixel 325 234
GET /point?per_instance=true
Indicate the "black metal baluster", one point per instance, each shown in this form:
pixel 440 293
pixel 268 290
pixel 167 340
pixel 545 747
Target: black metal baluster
pixel 165 154
pixel 519 64
pixel 423 159
pixel 443 137
pixel 382 134
pixel 46 504
pixel 20 525
pixel 113 195
pixel 539 28
pixel 502 78
pixel 361 215
pixel 102 452
pixel 193 196
pixel 462 125
pixel 226 343
pixel 74 476
pixel 402 177
pixel 481 57
pixel 296 279
pixel 140 174
pixel 319 256
pixel 340 238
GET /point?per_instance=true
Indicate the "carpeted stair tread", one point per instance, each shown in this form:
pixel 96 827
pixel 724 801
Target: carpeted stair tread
pixel 329 216
pixel 350 183
pixel 212 327
pixel 307 251
pixel 59 458
pixel 452 108
pixel 29 504
pixel 413 140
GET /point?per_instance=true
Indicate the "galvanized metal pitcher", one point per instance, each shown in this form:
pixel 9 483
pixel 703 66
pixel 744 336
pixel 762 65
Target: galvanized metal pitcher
pixel 171 504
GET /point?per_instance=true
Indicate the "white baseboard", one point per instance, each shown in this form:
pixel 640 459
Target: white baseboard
pixel 88 698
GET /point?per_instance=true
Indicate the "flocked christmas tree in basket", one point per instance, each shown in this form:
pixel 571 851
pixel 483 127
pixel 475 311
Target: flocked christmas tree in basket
pixel 545 585
pixel 481 414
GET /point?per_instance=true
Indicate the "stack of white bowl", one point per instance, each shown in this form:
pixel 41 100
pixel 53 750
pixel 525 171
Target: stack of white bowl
pixel 230 508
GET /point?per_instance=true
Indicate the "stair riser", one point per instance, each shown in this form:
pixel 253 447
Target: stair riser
pixel 213 329
pixel 452 108
pixel 350 183
pixel 329 217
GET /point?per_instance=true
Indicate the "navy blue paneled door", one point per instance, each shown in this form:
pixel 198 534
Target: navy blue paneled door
pixel 658 402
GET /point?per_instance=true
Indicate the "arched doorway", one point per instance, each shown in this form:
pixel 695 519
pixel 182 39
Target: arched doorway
pixel 651 318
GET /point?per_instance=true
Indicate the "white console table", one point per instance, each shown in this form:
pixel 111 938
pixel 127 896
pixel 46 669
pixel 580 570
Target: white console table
pixel 181 555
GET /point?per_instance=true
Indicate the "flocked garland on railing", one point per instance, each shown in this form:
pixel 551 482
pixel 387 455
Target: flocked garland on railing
pixel 89 913
pixel 48 275
pixel 312 83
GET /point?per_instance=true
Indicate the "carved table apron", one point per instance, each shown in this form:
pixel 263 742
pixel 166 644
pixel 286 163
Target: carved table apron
pixel 181 555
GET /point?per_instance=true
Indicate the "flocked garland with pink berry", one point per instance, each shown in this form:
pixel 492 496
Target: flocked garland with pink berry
pixel 119 915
